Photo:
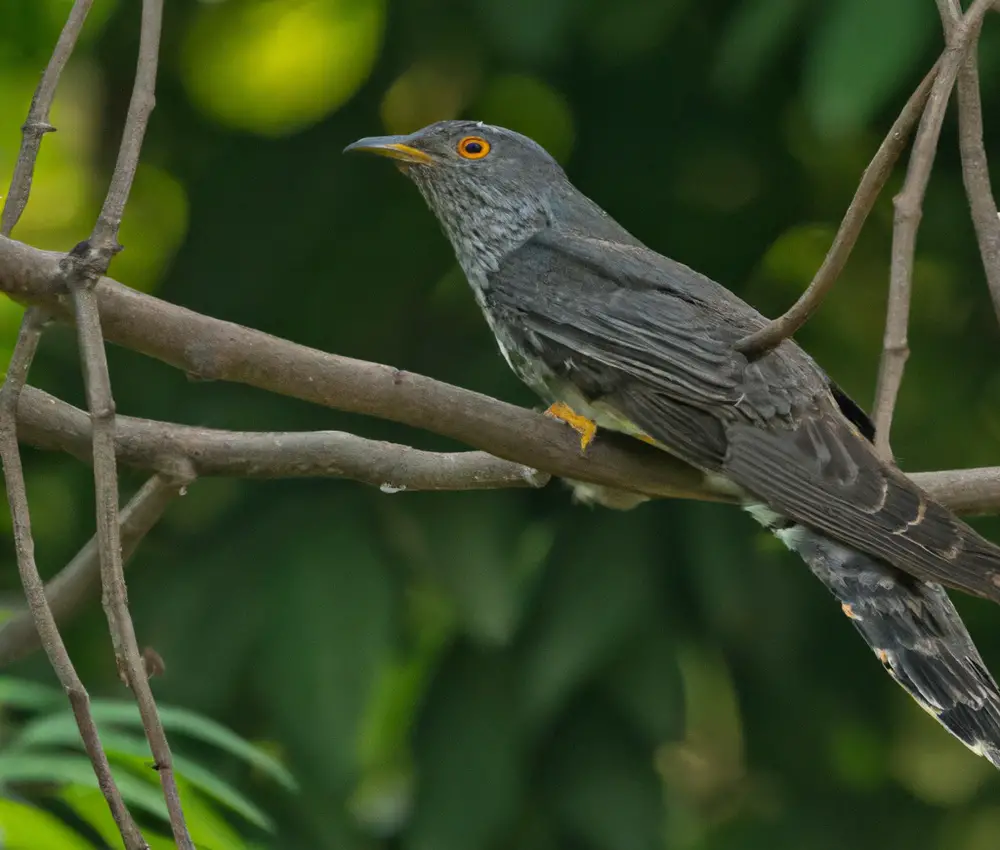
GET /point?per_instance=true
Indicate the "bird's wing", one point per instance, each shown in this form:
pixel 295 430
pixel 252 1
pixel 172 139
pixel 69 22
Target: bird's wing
pixel 653 340
pixel 823 475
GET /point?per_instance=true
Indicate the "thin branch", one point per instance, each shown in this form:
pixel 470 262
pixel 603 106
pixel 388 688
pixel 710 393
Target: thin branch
pixel 908 210
pixel 975 168
pixel 870 187
pixel 41 614
pixel 82 269
pixel 104 239
pixel 77 581
pixel 37 124
pixel 46 422
pixel 102 414
pixel 965 491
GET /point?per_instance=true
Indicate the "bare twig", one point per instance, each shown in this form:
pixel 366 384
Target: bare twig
pixel 81 576
pixel 47 422
pixel 965 491
pixel 104 239
pixel 975 169
pixel 908 206
pixel 870 187
pixel 82 269
pixel 37 123
pixel 102 414
pixel 41 613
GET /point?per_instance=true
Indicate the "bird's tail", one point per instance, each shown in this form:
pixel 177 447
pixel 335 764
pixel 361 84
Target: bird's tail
pixel 915 631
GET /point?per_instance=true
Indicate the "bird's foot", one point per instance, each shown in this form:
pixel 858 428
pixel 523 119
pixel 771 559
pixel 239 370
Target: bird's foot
pixel 583 426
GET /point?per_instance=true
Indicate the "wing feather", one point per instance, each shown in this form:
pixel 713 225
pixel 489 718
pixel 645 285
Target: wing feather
pixel 654 340
pixel 846 492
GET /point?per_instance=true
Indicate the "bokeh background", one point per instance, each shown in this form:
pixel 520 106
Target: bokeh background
pixel 508 670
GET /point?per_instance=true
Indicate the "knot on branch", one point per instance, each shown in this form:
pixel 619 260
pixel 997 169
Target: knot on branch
pixel 36 129
pixel 86 263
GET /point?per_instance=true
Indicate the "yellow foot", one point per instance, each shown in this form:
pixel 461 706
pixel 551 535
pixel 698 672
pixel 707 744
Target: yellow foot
pixel 583 426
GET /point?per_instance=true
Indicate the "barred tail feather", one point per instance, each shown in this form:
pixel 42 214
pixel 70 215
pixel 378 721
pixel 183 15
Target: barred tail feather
pixel 913 628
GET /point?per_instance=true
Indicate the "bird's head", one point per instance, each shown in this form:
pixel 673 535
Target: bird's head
pixel 468 153
pixel 490 187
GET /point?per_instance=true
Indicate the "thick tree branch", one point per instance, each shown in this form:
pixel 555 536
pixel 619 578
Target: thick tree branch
pixel 908 210
pixel 870 187
pixel 214 349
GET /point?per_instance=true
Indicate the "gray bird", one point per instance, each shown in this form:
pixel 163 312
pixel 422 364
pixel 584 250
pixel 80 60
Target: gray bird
pixel 614 335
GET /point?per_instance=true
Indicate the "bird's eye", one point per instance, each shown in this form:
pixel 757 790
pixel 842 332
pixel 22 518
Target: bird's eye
pixel 473 147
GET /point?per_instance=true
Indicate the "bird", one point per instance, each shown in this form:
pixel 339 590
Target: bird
pixel 615 336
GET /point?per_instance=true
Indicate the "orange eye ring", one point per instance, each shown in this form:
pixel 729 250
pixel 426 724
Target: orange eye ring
pixel 473 147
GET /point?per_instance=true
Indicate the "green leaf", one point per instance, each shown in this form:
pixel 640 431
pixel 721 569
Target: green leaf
pixel 23 827
pixel 60 728
pixel 861 54
pixel 468 756
pixel 209 831
pixel 22 694
pixel 189 771
pixel 91 807
pixel 63 769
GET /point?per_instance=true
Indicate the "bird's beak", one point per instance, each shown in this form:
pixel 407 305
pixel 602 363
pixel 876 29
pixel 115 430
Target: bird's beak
pixel 394 147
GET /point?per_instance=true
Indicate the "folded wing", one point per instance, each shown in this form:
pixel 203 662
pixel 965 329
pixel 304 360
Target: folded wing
pixel 654 340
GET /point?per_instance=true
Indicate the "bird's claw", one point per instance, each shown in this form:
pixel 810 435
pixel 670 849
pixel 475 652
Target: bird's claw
pixel 586 428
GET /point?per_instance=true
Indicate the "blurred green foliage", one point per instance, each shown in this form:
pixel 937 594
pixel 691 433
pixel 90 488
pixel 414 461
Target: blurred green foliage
pixel 41 760
pixel 501 670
